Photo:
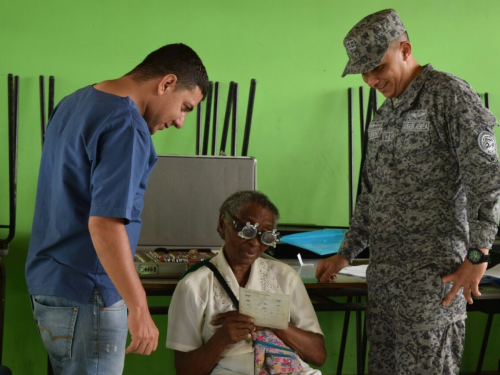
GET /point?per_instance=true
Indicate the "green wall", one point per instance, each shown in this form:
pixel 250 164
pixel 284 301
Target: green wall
pixel 294 50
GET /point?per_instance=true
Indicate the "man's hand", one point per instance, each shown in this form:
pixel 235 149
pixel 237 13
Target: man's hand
pixel 234 327
pixel 112 246
pixel 467 276
pixel 143 332
pixel 327 268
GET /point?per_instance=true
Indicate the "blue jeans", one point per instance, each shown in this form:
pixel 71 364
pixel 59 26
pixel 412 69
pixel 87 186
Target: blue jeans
pixel 82 338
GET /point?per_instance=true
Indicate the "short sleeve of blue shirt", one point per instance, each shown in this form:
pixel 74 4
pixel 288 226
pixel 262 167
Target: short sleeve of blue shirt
pixel 121 159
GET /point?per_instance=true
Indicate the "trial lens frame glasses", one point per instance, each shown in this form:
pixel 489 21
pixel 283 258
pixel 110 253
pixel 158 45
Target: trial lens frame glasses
pixel 249 231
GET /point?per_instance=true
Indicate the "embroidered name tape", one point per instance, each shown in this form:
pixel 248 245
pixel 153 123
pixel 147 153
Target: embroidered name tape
pixel 417 126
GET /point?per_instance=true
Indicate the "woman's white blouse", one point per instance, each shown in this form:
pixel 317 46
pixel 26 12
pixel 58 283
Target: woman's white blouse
pixel 198 298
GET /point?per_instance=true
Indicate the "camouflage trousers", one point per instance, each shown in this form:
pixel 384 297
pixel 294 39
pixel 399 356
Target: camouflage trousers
pixel 409 331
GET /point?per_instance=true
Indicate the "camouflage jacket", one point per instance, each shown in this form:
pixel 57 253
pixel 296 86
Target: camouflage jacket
pixel 431 180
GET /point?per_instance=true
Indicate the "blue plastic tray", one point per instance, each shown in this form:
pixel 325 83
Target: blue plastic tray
pixel 322 242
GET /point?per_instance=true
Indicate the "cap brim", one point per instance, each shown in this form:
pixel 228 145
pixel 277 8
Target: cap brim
pixel 359 66
pixel 349 69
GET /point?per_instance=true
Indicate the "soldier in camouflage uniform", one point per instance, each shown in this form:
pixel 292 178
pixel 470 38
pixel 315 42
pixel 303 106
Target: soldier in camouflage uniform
pixel 429 203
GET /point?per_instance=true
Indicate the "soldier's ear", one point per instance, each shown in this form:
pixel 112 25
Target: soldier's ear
pixel 405 50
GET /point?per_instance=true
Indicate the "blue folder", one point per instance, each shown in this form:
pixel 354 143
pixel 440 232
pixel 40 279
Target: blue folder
pixel 322 242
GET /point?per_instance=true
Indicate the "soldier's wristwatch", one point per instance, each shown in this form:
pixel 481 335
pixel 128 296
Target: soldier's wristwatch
pixel 476 256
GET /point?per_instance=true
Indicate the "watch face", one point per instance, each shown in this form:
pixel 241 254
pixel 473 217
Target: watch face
pixel 475 255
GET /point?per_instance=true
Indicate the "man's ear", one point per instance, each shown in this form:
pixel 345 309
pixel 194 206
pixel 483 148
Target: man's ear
pixel 168 82
pixel 222 225
pixel 405 50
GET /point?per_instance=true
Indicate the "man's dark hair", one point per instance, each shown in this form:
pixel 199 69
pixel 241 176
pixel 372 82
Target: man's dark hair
pixel 402 38
pixel 244 198
pixel 177 59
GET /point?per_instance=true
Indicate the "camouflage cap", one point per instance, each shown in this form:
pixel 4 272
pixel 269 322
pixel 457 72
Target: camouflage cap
pixel 367 42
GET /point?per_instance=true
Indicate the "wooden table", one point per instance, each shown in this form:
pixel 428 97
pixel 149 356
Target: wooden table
pixel 354 289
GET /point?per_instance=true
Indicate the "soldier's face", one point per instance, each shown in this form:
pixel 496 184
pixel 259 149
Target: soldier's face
pixel 389 77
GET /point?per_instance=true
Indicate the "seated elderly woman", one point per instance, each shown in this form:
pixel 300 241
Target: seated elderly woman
pixel 206 331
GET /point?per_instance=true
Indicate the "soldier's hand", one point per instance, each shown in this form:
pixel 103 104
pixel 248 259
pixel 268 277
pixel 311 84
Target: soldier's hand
pixel 467 276
pixel 327 268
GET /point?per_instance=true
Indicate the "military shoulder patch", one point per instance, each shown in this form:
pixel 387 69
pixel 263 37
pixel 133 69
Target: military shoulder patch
pixel 487 143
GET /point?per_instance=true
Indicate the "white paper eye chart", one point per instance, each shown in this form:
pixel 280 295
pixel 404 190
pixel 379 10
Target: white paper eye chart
pixel 268 309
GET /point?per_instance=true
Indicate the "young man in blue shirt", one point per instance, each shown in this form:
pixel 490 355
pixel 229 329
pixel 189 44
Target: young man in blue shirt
pixel 97 157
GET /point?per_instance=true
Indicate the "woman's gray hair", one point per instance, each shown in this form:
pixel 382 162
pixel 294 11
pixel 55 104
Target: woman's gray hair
pixel 240 200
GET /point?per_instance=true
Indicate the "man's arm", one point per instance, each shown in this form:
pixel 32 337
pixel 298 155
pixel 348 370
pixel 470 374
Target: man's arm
pixel 355 241
pixel 112 246
pixel 471 129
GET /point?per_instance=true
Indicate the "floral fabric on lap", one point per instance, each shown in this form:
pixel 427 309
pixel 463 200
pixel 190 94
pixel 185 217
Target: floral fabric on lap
pixel 272 356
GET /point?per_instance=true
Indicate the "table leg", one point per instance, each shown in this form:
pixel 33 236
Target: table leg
pixel 365 342
pixel 485 343
pixel 344 339
pixel 359 343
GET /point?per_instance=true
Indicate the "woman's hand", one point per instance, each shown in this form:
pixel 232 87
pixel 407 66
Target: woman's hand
pixel 234 327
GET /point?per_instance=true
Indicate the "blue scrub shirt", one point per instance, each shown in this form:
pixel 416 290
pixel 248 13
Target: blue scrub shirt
pixel 97 157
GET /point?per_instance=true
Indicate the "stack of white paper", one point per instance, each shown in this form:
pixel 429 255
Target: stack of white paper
pixel 493 272
pixel 358 271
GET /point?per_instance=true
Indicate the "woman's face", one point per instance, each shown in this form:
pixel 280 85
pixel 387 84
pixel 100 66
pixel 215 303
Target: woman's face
pixel 241 251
